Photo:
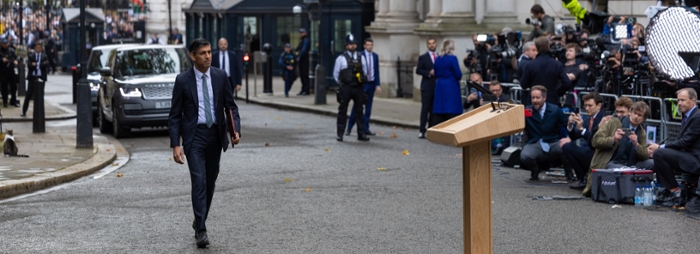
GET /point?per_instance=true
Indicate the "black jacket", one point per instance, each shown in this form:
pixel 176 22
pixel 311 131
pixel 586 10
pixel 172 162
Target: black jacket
pixel 425 65
pixel 547 71
pixel 234 67
pixel 588 135
pixel 43 65
pixel 688 140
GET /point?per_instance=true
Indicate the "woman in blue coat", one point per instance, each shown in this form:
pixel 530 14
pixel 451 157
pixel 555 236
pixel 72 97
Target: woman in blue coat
pixel 448 99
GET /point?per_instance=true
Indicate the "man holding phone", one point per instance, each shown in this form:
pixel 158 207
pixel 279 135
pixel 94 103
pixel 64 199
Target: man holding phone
pixel 621 143
pixel 579 128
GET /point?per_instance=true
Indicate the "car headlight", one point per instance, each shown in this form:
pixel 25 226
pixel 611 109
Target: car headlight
pixel 130 92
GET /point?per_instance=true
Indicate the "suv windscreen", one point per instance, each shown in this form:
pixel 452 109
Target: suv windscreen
pixel 153 61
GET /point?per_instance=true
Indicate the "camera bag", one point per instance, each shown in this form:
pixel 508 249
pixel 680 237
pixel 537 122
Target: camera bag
pixel 618 185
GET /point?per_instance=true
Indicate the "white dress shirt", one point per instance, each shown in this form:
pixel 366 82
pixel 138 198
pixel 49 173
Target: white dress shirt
pixel 341 63
pixel 223 62
pixel 201 117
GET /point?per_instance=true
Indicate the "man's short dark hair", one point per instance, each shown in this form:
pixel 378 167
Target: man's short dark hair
pixel 692 94
pixel 494 83
pixel 197 43
pixel 540 88
pixel 641 107
pixel 597 98
pixel 537 9
pixel 431 39
pixel 575 46
pixel 542 44
pixel 368 40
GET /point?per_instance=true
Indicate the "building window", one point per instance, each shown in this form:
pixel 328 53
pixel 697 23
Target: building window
pixel 342 28
pixel 288 30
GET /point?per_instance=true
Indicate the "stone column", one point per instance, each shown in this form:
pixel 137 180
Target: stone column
pixel 501 13
pixel 383 10
pixel 435 11
pixel 393 39
pixel 457 11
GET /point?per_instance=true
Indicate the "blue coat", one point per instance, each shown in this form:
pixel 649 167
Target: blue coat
pixel 448 98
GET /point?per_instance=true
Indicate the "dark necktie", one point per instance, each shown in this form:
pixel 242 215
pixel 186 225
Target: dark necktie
pixel 223 64
pixel 683 122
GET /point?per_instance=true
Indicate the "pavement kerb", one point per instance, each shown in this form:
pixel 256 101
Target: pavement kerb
pixel 105 154
pixel 68 115
pixel 322 111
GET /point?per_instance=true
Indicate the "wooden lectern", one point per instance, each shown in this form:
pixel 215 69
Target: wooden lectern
pixel 473 131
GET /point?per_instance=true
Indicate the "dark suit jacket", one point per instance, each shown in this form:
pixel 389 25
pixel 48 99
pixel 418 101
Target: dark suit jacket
pixel 545 70
pixel 375 64
pixel 234 66
pixel 425 65
pixel 44 65
pixel 547 128
pixel 182 120
pixel 689 139
pixel 575 134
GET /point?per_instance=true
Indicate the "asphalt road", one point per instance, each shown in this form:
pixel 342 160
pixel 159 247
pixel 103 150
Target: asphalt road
pixel 291 188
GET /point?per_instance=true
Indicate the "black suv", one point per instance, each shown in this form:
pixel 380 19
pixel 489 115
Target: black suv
pixel 138 86
pixel 98 60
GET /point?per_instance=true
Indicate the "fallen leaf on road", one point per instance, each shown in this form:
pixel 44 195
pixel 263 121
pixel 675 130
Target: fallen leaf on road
pixel 308 189
pixel 459 155
pixel 119 149
pixel 132 144
pixel 289 180
pixel 278 118
pixel 405 129
pixel 381 133
pixel 381 169
pixel 393 135
pixel 394 127
pixel 170 158
pixel 108 150
pixel 115 164
pixel 265 124
pixel 120 174
pixel 405 152
pixel 267 112
pixel 267 144
pixel 326 149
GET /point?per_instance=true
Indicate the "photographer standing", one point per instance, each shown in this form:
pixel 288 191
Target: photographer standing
pixel 541 22
pixel 476 60
pixel 8 84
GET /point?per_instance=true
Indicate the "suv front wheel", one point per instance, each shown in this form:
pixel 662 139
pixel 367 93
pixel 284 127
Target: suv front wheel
pixel 104 125
pixel 119 130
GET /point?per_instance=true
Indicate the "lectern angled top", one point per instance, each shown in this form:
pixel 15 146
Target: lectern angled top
pixel 479 124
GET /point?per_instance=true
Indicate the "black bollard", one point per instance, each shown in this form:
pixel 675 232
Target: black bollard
pixel 22 80
pixel 39 117
pixel 267 69
pixel 76 78
pixel 84 128
pixel 320 94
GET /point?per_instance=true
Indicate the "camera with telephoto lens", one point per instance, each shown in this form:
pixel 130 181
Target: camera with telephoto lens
pixel 471 55
pixel 533 22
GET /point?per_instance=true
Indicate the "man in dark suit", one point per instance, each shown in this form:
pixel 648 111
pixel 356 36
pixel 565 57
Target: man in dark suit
pixel 200 96
pixel 427 84
pixel 579 157
pixel 546 71
pixel 37 66
pixel 371 87
pixel 683 154
pixel 228 61
pixel 302 52
pixel 543 122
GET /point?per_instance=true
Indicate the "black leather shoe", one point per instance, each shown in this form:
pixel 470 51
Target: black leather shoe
pixel 369 133
pixel 421 135
pixel 363 138
pixel 339 138
pixel 303 93
pixel 580 185
pixel 668 195
pixel 202 240
pixel 22 114
pixel 195 230
pixel 347 132
pixel 17 105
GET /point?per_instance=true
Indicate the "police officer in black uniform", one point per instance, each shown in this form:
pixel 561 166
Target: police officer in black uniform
pixel 8 82
pixel 350 75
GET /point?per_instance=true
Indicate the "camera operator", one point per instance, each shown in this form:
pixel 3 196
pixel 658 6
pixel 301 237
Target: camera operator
pixel 502 59
pixel 631 48
pixel 541 22
pixel 529 53
pixel 476 59
pixel 546 71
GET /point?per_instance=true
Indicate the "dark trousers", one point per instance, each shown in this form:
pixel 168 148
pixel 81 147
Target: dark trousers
pixel 8 88
pixel 203 157
pixel 357 95
pixel 304 73
pixel 579 158
pixel 30 93
pixel 532 156
pixel 667 160
pixel 369 90
pixel 426 109
pixel 289 78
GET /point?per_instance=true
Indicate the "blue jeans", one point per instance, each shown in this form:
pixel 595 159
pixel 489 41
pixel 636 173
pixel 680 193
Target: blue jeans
pixel 369 89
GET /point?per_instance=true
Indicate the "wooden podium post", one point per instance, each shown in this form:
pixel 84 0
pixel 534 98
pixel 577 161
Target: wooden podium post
pixel 473 131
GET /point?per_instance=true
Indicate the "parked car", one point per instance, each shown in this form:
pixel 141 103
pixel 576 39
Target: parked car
pixel 97 60
pixel 138 87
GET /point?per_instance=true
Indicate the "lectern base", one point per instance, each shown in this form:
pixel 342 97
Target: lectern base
pixel 476 188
